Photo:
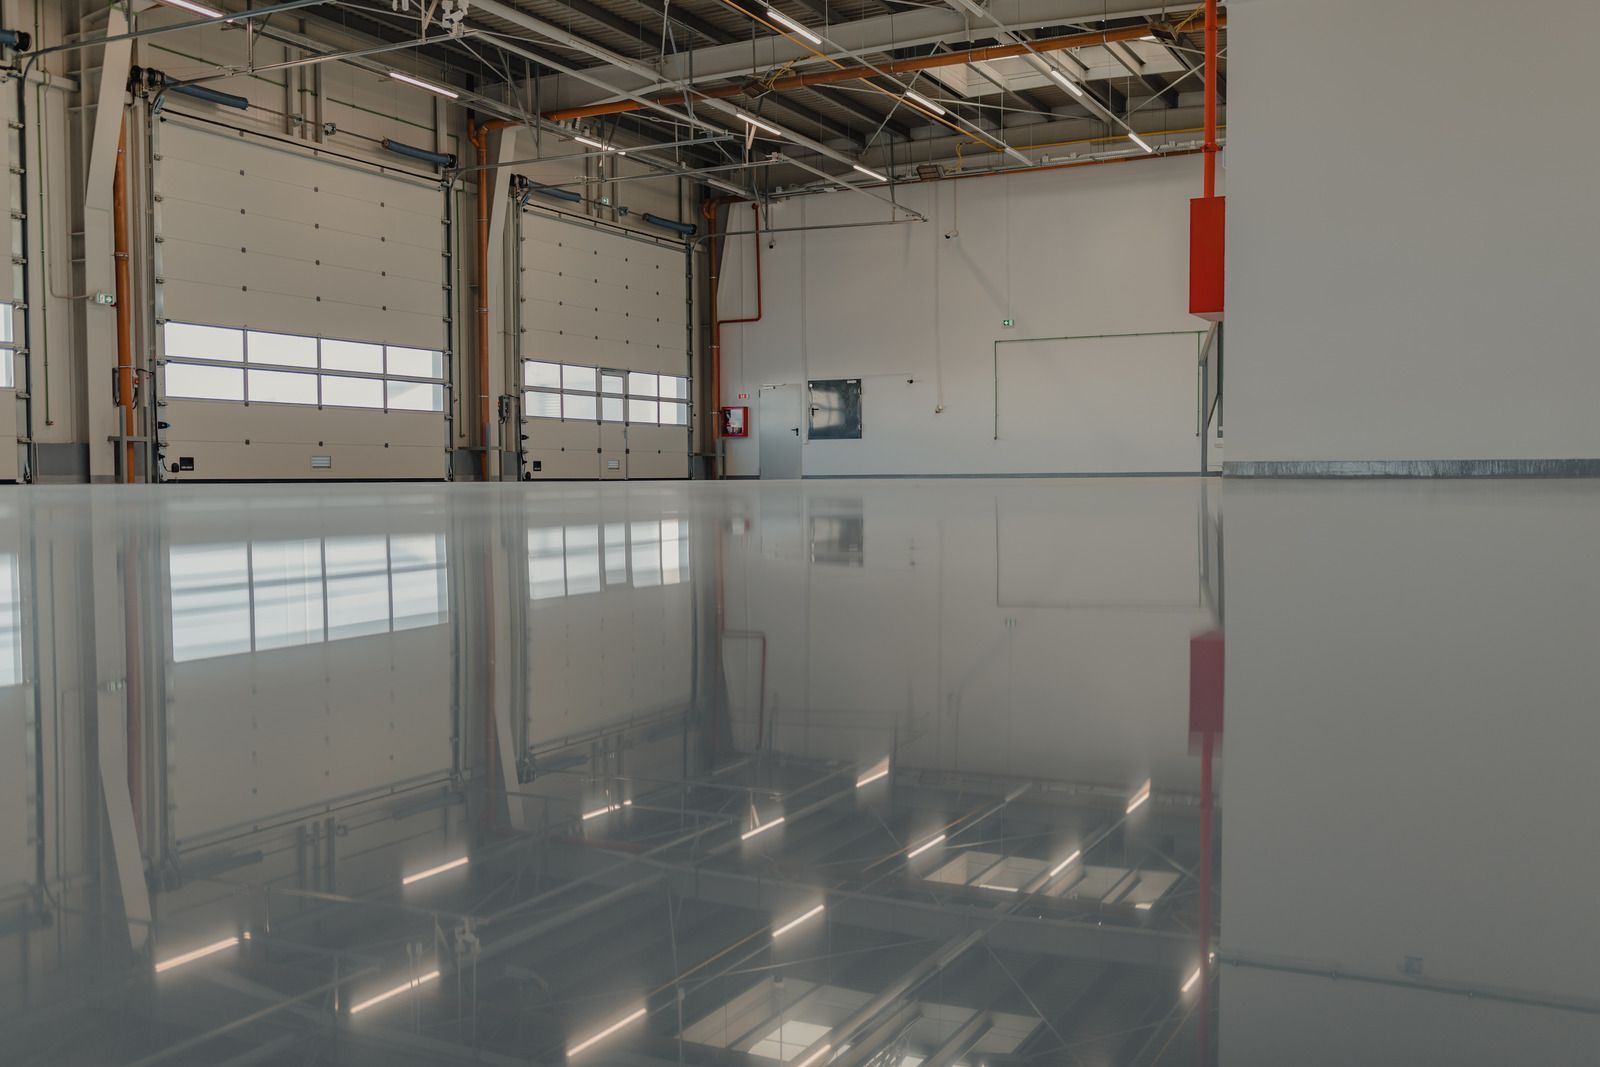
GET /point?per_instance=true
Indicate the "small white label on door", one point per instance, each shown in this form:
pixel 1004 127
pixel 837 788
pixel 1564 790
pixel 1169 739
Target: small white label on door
pixel 322 463
pixel 613 464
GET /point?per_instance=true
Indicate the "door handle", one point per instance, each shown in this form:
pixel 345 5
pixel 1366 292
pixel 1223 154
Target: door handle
pixel 795 431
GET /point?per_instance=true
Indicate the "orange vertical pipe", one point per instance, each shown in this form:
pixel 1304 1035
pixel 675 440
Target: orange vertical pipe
pixel 124 297
pixel 1211 99
pixel 478 135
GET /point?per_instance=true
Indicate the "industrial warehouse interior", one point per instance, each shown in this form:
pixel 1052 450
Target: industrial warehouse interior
pixel 690 533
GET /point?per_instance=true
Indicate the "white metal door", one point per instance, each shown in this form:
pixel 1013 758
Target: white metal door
pixel 778 430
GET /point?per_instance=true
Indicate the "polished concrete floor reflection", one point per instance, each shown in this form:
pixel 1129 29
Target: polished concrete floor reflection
pixel 883 773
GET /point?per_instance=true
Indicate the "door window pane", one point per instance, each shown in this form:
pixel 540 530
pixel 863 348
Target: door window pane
pixel 282 387
pixel 203 342
pixel 415 396
pixel 611 383
pixel 578 406
pixel 642 411
pixel 7 327
pixel 283 349
pixel 577 378
pixel 674 388
pixel 547 375
pixel 287 577
pixel 541 405
pixel 416 362
pixel 641 384
pixel 352 392
pixel 8 368
pixel 611 408
pixel 674 414
pixel 352 355
pixel 204 383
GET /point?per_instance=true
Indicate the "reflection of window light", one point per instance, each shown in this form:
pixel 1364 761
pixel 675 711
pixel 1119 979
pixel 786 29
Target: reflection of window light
pixel 583 559
pixel 616 553
pixel 416 580
pixel 358 587
pixel 789 1040
pixel 646 539
pixel 303 591
pixel 210 600
pixel 10 621
pixel 546 563
pixel 286 577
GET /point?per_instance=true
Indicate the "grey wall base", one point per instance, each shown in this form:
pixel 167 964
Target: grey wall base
pixel 62 464
pixel 1414 468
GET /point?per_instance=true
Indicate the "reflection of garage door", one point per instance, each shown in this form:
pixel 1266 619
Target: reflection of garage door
pixel 604 334
pixel 13 413
pixel 303 310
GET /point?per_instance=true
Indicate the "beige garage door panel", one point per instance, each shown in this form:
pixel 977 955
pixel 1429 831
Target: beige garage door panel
pixel 210 226
pixel 307 243
pixel 556 463
pixel 231 441
pixel 228 306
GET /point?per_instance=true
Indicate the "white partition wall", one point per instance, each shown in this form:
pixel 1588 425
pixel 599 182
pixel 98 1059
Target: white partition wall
pixel 302 307
pixel 602 329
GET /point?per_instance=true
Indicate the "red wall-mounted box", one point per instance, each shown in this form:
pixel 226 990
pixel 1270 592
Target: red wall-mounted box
pixel 1207 256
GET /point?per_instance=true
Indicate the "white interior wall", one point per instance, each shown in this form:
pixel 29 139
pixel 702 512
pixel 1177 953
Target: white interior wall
pixel 1403 284
pixel 1079 252
pixel 959 627
pixel 1410 677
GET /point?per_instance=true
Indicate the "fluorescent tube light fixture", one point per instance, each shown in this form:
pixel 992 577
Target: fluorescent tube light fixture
pixel 1192 979
pixel 792 923
pixel 607 810
pixel 1058 868
pixel 198 954
pixel 763 828
pixel 390 994
pixel 592 143
pixel 758 124
pixel 877 772
pixel 199 9
pixel 1138 799
pixel 1066 83
pixel 925 846
pixel 411 879
pixel 922 101
pixel 791 25
pixel 420 84
pixel 998 888
pixel 1140 141
pixel 816 1057
pixel 874 175
pixel 573 1050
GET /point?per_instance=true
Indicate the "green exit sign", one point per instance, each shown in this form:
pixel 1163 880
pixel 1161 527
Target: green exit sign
pixel 1008 323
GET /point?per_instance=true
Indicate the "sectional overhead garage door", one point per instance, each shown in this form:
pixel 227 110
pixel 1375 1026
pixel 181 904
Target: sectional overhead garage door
pixel 604 344
pixel 302 308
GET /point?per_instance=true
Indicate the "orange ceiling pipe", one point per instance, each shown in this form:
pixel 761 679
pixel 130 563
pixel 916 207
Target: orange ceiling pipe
pixel 899 66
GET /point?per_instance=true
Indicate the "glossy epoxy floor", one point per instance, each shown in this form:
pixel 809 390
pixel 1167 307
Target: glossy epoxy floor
pixel 856 772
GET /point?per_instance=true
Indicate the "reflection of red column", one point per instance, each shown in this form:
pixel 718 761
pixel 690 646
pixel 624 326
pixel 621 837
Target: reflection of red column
pixel 1205 719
